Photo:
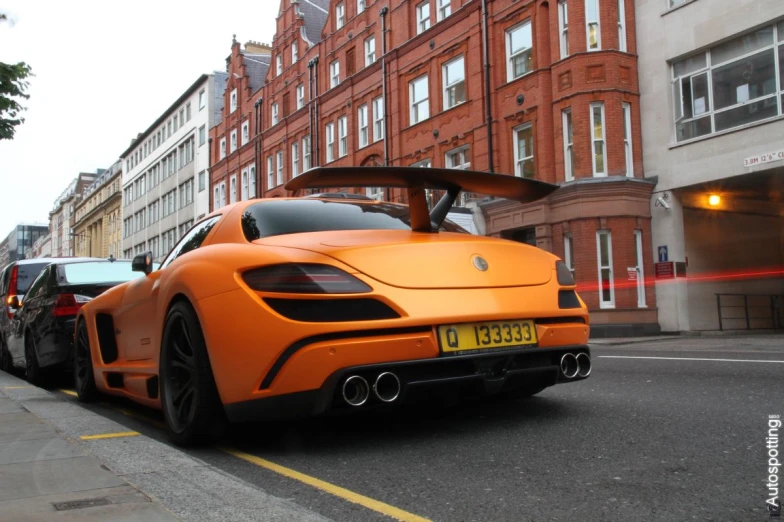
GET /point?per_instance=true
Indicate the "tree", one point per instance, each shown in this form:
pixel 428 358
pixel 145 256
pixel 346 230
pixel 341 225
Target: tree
pixel 13 84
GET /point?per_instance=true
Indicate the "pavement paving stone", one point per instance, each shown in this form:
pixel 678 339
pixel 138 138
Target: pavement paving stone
pixel 18 451
pixel 139 454
pixel 9 406
pixel 24 426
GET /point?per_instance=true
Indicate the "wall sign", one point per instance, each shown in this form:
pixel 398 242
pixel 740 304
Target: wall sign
pixel 764 158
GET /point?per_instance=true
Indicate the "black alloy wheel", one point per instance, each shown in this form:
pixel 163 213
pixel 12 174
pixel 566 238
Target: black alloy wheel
pixel 6 364
pixel 189 397
pixel 84 378
pixel 33 372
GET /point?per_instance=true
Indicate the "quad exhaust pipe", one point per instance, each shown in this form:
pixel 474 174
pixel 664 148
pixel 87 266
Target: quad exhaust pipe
pixel 356 389
pixel 583 364
pixel 575 365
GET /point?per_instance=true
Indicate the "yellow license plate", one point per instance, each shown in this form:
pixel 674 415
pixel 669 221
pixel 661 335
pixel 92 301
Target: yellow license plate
pixel 480 336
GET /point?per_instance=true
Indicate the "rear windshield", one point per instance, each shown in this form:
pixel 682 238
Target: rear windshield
pixel 98 272
pixel 272 218
pixel 26 274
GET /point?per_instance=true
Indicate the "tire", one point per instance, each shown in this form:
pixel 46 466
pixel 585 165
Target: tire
pixel 189 398
pixel 84 376
pixel 6 364
pixel 33 372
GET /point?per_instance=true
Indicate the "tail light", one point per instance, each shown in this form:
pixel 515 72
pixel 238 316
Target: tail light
pixel 565 277
pixel 69 304
pixel 12 297
pixel 304 279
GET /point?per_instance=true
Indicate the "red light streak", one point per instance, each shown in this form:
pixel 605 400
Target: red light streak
pixel 707 277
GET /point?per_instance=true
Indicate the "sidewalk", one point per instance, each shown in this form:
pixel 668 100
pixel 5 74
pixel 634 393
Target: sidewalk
pixel 49 472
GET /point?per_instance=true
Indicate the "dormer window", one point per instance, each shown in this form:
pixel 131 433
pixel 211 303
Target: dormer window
pixel 340 16
pixel 233 101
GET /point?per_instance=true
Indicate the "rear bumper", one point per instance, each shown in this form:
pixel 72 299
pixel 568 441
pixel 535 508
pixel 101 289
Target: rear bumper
pixel 479 374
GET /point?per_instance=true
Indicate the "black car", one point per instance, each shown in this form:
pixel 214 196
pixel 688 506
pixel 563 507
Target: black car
pixel 42 330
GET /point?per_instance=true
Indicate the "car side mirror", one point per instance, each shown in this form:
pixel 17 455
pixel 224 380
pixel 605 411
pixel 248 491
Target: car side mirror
pixel 142 263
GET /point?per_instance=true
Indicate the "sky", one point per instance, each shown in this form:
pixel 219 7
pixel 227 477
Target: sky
pixel 104 71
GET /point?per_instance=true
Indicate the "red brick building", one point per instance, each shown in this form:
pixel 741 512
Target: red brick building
pixel 528 87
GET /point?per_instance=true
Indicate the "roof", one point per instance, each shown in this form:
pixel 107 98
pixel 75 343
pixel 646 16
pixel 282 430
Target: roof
pixel 315 14
pixel 256 67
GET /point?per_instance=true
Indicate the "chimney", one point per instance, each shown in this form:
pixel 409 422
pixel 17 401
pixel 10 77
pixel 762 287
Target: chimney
pixel 258 48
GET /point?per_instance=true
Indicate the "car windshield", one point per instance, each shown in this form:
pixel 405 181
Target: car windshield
pixel 271 218
pixel 92 272
pixel 26 274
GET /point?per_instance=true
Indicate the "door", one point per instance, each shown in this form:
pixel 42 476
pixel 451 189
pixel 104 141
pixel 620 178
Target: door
pixel 639 269
pixel 28 316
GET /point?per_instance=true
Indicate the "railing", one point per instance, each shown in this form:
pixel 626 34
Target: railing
pixel 750 311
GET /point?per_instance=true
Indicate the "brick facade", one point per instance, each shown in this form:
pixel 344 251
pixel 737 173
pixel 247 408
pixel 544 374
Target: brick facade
pixel 612 201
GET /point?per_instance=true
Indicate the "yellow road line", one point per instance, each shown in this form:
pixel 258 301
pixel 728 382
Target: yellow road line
pixel 375 505
pixel 110 435
pixel 69 392
pixel 16 387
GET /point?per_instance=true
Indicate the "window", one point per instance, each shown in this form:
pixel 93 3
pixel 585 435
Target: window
pixel 182 117
pixel 566 118
pixel 627 138
pixel 524 151
pixel 604 254
pixel 233 189
pixel 423 17
pixel 342 136
pixel 202 180
pixel 202 135
pixel 458 159
pixel 233 141
pixel 270 172
pixel 306 154
pixel 252 181
pixel 191 241
pixel 295 159
pixel 592 27
pixel 222 150
pixel 278 64
pixel 378 119
pixel 244 189
pixel 188 111
pixel 622 25
pixel 300 95
pixel 202 99
pixel 176 126
pixel 294 52
pixel 279 159
pixel 330 137
pixel 245 132
pixel 340 15
pixel 360 6
pixel 420 109
pixel 362 124
pixel 563 27
pixel 275 113
pixel 640 269
pixel 519 50
pixel 598 149
pixel 186 193
pixel 731 85
pixel 569 253
pixel 444 9
pixel 233 101
pixel 454 82
pixel 223 193
pixel 376 193
pixel 334 74
pixel 370 51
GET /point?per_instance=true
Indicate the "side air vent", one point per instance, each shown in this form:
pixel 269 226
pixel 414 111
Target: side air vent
pixel 107 342
pixel 331 310
pixel 114 380
pixel 568 299
pixel 152 387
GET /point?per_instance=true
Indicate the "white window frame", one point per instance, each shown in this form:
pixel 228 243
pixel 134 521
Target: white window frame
pixel 569 252
pixel 588 24
pixel 340 15
pixel 362 126
pixel 423 16
pixel 415 106
pixel 342 136
pixel 233 189
pixel 627 138
pixel 300 96
pixel 244 184
pixel 622 25
pixel 334 74
pixel 294 52
pixel 329 135
pixel 270 172
pixel 280 160
pixel 245 132
pixel 370 50
pixel 360 6
pixel 609 266
pixel 223 193
pixel 376 193
pixel 294 159
pixel 202 99
pixel 563 28
pixel 233 141
pixel 252 181
pixel 275 113
pixel 306 162
pixel 638 247
pixel 463 164
pixel 595 140
pixel 233 101
pixel 378 119
pixel 518 161
pixel 510 58
pixel 446 88
pixel 222 151
pixel 278 64
pixel 568 143
pixel 444 9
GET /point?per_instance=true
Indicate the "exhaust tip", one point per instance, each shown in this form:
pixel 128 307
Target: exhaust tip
pixel 387 387
pixel 569 366
pixel 583 365
pixel 356 390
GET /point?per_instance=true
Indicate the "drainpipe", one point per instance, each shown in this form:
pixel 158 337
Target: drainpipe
pixel 383 13
pixel 315 129
pixel 488 112
pixel 209 176
pixel 257 148
pixel 310 111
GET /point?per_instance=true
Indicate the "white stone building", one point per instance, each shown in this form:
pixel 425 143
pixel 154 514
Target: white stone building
pixel 711 76
pixel 166 170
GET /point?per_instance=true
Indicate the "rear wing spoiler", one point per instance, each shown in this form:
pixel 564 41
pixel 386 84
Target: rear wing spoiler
pixel 416 180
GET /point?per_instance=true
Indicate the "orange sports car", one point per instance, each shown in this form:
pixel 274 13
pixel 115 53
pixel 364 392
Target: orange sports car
pixel 302 306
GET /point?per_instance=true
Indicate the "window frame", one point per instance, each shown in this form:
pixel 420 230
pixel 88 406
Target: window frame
pixel 334 73
pixel 270 172
pixel 628 148
pixel 379 123
pixel 232 101
pixel 567 126
pixel 370 55
pixel 295 159
pixel 414 106
pixel 300 89
pixel 274 114
pixel 329 142
pixel 569 252
pixel 294 52
pixel 245 132
pixel 519 170
pixel 280 159
pixel 422 22
pixel 306 154
pixel 594 140
pixel 446 87
pixel 340 15
pixel 441 6
pixel 622 46
pixel 342 136
pixel 363 128
pixel 510 57
pixel 563 28
pixel 605 304
pixel 598 23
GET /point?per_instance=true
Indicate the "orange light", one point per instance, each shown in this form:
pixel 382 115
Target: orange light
pixel 714 200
